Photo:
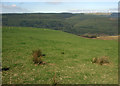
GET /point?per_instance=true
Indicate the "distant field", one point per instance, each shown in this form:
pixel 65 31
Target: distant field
pixel 72 67
pixel 108 37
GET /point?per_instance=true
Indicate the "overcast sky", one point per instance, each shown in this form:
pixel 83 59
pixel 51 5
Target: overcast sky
pixel 58 6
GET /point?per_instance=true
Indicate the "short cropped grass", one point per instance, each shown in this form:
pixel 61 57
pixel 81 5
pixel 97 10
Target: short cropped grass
pixel 68 57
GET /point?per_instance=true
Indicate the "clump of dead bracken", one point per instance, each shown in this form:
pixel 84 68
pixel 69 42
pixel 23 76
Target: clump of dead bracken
pixel 104 60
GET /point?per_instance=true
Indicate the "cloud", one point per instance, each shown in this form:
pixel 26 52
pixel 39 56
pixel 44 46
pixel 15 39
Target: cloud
pixel 13 9
pixel 80 11
pixel 21 3
pixel 92 11
pixel 54 2
pixel 14 5
pixel 113 9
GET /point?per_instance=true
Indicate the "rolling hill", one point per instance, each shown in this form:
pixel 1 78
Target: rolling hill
pixel 78 24
pixel 71 67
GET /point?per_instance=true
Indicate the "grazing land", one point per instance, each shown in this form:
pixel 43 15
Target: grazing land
pixel 68 57
pixel 109 37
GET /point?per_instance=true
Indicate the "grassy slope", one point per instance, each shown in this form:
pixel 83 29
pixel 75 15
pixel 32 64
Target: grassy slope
pixel 72 67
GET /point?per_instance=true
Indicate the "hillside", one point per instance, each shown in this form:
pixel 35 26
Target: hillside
pixel 71 67
pixel 78 24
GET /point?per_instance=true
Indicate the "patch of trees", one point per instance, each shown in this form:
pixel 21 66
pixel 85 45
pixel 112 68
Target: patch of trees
pixel 72 23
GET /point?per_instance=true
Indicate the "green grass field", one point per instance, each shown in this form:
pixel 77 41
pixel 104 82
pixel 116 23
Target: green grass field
pixel 72 67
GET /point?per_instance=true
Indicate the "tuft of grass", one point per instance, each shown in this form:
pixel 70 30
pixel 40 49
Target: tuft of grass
pixel 102 60
pixel 62 53
pixel 37 57
pixel 55 82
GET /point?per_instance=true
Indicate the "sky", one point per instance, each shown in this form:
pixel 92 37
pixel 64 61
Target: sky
pixel 58 6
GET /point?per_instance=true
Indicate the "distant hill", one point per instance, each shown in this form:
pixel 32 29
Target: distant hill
pixel 115 15
pixel 72 23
